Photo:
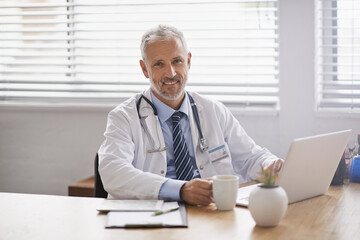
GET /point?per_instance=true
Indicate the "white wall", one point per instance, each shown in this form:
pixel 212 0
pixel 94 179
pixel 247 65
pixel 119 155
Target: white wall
pixel 44 149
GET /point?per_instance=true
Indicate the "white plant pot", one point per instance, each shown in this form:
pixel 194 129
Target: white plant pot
pixel 268 205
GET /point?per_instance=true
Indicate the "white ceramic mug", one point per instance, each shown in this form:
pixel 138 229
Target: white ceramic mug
pixel 225 188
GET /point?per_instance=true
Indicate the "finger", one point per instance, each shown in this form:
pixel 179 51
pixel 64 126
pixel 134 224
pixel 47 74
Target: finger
pixel 278 165
pixel 205 187
pixel 197 199
pixel 204 193
pixel 201 183
pixel 202 200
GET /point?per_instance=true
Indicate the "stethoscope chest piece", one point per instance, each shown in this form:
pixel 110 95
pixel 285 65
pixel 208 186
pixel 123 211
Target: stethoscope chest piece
pixel 203 145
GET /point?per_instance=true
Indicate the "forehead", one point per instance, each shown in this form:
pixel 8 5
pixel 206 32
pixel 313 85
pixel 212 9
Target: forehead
pixel 165 49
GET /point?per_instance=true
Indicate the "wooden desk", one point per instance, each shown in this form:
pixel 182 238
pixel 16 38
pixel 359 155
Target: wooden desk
pixel 335 215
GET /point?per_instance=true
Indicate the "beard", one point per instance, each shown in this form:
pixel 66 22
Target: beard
pixel 163 93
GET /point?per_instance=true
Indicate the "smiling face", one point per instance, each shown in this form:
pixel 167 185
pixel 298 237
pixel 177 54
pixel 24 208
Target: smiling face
pixel 167 65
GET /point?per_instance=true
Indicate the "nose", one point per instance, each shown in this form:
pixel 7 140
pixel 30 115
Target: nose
pixel 170 71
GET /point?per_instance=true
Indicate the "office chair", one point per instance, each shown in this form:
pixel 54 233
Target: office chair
pixel 99 190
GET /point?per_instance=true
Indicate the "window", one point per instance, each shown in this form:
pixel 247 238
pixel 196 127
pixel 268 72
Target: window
pixel 88 50
pixel 338 55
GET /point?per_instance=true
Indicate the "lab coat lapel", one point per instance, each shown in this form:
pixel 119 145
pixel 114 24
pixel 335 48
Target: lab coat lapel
pixel 152 123
pixel 193 126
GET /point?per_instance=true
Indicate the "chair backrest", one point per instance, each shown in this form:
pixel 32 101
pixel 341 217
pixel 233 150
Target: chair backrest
pixel 99 190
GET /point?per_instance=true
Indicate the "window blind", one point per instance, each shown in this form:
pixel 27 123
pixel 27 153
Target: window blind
pixel 88 50
pixel 338 55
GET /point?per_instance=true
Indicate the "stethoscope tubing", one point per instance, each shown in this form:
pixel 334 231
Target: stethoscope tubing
pixel 196 115
pixel 148 101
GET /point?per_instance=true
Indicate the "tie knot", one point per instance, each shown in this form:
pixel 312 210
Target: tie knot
pixel 176 117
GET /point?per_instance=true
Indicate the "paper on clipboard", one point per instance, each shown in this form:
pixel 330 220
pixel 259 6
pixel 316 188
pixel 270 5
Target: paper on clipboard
pixel 146 219
pixel 130 205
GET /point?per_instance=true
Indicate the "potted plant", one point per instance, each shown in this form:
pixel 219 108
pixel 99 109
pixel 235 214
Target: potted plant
pixel 268 202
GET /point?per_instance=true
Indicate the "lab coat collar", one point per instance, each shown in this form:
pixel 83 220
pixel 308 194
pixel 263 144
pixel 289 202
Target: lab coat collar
pixel 145 109
pixel 152 123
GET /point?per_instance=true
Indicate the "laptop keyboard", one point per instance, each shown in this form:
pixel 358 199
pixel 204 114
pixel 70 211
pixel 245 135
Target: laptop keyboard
pixel 243 195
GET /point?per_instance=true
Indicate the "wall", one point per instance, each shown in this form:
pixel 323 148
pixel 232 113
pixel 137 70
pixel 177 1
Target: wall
pixel 43 149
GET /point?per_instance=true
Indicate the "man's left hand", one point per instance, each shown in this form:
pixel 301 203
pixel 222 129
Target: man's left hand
pixel 277 165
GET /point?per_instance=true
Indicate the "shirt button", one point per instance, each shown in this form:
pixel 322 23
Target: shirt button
pixel 201 167
pixel 162 172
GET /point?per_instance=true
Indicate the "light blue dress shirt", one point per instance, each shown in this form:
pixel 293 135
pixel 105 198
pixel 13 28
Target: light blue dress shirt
pixel 170 190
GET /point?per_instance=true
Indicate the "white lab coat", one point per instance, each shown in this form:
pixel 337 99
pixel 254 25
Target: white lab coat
pixel 128 171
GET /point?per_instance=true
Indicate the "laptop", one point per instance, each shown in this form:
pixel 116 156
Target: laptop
pixel 309 167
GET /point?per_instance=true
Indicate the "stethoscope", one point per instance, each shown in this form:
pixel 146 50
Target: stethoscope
pixel 202 144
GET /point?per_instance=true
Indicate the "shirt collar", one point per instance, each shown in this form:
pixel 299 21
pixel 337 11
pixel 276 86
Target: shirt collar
pixel 165 112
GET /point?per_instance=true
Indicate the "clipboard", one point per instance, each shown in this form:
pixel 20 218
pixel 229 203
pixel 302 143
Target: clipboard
pixel 175 219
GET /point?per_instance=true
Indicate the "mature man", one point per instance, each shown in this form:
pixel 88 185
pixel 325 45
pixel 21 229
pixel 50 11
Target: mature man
pixel 165 143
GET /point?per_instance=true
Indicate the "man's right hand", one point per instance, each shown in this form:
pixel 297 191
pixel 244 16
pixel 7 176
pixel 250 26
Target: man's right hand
pixel 197 192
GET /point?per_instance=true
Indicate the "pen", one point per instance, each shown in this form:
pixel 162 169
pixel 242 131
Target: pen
pixel 166 211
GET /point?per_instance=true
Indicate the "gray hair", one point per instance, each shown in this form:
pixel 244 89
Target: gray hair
pixel 160 33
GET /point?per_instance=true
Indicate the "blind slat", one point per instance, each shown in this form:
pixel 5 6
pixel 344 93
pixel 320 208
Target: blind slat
pixel 58 51
pixel 21 4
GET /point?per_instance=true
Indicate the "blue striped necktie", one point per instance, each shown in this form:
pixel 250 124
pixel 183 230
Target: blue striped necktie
pixel 184 168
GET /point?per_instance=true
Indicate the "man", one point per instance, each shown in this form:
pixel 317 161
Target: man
pixel 152 147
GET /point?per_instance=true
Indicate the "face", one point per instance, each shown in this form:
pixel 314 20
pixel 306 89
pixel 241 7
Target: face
pixel 167 66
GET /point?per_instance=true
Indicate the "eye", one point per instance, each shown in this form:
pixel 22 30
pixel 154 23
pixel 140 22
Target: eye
pixel 158 64
pixel 177 60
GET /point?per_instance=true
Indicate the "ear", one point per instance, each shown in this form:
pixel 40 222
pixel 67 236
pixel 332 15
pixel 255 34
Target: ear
pixel 144 69
pixel 189 60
